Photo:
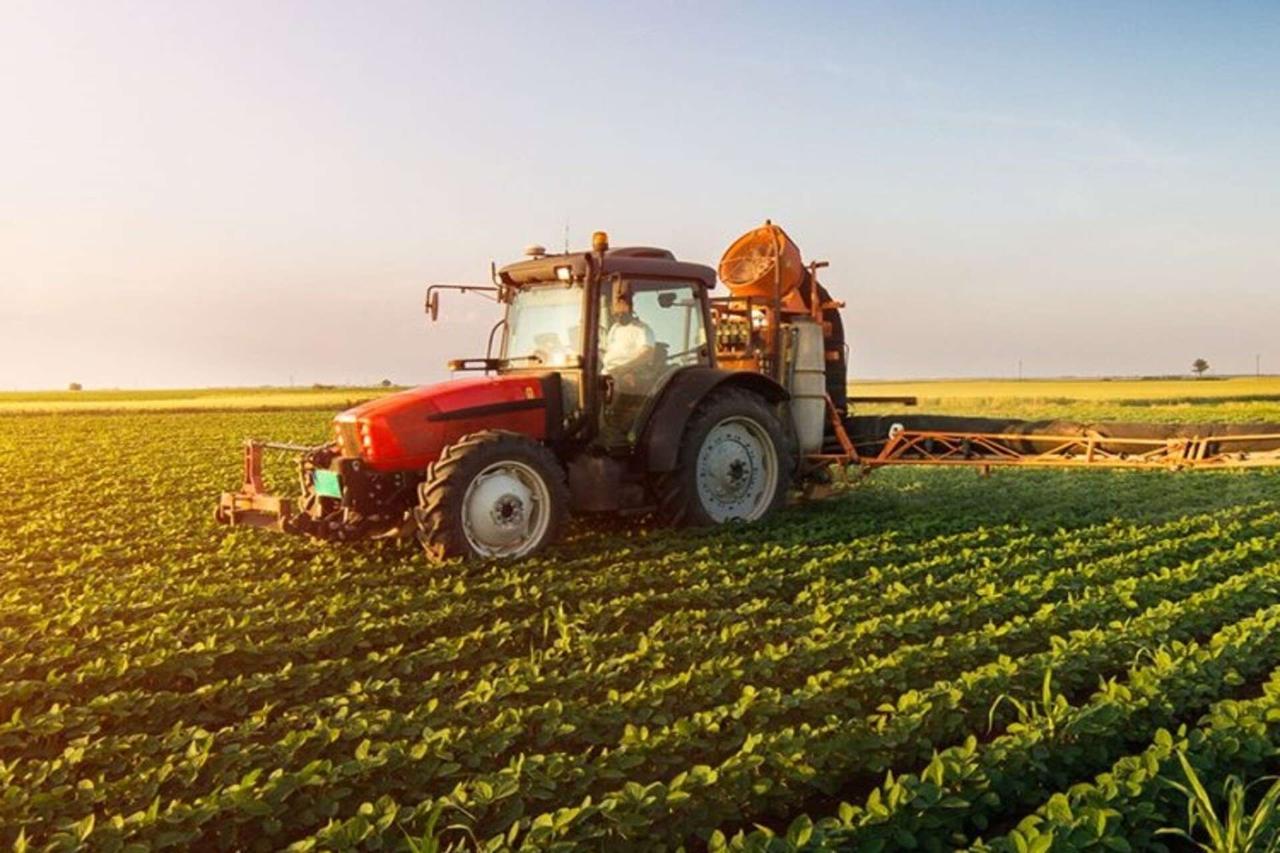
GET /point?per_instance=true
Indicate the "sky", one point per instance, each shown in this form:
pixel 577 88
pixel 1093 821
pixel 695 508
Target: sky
pixel 242 193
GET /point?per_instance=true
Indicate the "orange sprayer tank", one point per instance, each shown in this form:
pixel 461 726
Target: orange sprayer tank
pixel 750 265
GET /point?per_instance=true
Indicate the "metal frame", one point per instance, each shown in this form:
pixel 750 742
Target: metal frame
pixel 253 506
pixel 984 451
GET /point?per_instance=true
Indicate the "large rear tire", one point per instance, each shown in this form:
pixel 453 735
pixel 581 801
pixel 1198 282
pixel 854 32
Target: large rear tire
pixel 735 463
pixel 491 495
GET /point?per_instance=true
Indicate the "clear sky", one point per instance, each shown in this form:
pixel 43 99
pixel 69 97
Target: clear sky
pixel 247 193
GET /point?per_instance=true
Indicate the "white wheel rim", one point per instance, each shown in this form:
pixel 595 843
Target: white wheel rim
pixel 737 471
pixel 506 510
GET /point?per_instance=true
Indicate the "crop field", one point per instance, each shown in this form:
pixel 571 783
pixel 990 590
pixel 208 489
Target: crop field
pixel 927 660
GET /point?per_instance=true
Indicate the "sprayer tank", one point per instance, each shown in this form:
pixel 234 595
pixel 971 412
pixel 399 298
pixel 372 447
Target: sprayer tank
pixel 806 380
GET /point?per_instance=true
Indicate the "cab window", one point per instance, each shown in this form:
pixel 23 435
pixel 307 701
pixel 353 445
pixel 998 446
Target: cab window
pixel 544 325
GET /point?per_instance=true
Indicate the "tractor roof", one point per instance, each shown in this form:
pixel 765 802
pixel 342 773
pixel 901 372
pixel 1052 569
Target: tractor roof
pixel 644 261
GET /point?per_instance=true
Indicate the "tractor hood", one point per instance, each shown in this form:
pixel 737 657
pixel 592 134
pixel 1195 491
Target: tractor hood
pixel 408 430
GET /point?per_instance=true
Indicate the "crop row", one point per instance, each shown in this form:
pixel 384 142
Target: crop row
pixel 62 660
pixel 967 788
pixel 1128 805
pixel 756 750
pixel 837 634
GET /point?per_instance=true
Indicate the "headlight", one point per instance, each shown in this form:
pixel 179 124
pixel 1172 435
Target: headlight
pixel 348 438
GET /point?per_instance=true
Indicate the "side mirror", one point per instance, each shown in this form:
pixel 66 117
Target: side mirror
pixel 666 300
pixel 433 305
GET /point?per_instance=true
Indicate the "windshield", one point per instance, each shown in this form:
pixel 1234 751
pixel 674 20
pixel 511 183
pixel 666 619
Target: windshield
pixel 544 324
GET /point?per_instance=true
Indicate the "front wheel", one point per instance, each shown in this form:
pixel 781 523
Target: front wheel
pixel 491 495
pixel 735 463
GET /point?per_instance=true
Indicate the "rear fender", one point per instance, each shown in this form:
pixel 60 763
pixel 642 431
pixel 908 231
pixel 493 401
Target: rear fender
pixel 660 440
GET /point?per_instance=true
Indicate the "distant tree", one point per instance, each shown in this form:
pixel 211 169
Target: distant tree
pixel 75 386
pixel 1199 367
pixel 386 383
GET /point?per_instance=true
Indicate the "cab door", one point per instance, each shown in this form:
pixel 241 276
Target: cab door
pixel 649 329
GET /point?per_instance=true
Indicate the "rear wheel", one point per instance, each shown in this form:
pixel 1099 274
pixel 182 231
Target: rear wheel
pixel 735 463
pixel 491 495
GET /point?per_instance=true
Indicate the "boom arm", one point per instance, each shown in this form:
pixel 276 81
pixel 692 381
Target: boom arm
pixel 1020 445
pixel 984 450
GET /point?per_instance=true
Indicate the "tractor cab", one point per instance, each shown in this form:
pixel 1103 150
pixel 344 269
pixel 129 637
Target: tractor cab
pixel 615 325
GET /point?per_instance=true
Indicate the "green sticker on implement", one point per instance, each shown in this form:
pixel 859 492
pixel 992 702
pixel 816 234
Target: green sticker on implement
pixel 327 483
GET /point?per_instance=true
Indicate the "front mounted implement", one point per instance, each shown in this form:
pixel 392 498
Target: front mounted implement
pixel 252 506
pixel 340 497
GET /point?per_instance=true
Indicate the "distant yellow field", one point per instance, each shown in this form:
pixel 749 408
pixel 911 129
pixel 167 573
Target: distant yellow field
pixel 187 399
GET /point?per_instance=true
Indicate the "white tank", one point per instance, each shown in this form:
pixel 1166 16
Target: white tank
pixel 806 380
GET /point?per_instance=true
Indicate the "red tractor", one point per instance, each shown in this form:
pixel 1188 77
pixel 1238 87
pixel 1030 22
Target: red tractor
pixel 605 394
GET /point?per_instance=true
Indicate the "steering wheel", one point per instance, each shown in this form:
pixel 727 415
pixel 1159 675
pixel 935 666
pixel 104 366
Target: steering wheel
pixel 672 356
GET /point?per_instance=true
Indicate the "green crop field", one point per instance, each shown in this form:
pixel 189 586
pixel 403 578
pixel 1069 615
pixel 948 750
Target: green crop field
pixel 928 660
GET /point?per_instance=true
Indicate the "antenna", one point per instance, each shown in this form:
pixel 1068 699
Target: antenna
pixel 566 235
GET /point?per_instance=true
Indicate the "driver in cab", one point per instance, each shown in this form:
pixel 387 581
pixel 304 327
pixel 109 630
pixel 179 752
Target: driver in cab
pixel 629 346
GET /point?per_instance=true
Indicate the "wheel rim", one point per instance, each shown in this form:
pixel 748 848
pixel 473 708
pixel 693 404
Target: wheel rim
pixel 737 470
pixel 506 510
